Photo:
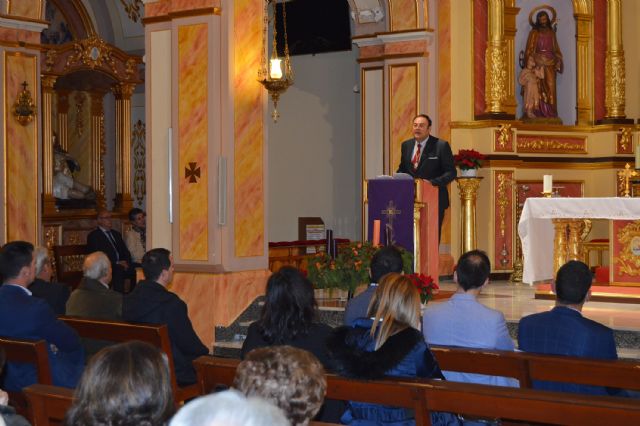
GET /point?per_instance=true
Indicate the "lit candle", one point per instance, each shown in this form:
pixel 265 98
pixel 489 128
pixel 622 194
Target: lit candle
pixel 276 70
pixel 547 183
pixel 376 232
pixel 638 156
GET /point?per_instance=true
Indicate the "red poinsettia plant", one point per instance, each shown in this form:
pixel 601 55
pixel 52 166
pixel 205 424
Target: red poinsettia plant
pixel 467 159
pixel 425 285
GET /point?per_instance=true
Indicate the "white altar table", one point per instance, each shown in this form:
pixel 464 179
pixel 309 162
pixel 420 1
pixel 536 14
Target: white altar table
pixel 536 230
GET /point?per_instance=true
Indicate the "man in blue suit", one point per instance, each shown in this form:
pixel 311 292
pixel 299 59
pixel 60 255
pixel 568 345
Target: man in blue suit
pixel 385 260
pixel 23 316
pixel 464 322
pixel 564 331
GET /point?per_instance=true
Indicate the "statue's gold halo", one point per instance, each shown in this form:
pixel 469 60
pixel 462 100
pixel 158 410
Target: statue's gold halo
pixel 543 7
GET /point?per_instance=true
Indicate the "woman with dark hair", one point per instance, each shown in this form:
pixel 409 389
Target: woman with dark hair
pixel 126 385
pixel 387 343
pixel 288 317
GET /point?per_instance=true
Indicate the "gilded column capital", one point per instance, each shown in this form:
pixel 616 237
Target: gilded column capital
pixel 124 90
pixel 48 81
pixel 468 187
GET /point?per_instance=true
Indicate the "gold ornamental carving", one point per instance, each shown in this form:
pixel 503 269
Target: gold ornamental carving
pixel 504 136
pixel 133 8
pixel 628 261
pixel 624 141
pixel 50 59
pixel 139 155
pixel 503 199
pixel 551 145
pixel 624 175
pixel 496 76
pixel 92 52
pixel 614 74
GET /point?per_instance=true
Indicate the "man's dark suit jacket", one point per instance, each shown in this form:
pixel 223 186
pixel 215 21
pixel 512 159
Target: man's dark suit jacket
pixel 55 294
pixel 151 303
pixel 436 165
pixel 564 331
pixel 98 241
pixel 26 317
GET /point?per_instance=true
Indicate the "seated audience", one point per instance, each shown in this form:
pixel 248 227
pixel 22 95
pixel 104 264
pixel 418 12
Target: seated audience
pixel 125 384
pixel 150 302
pixel 388 343
pixel 110 242
pixel 8 414
pixel 25 317
pixel 289 317
pixel 385 260
pixel 564 331
pixel 94 299
pixel 228 408
pixel 290 378
pixel 55 294
pixel 463 321
pixel 136 237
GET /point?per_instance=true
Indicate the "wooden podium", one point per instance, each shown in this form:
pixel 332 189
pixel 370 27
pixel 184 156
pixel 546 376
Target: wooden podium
pixel 426 251
pixel 410 208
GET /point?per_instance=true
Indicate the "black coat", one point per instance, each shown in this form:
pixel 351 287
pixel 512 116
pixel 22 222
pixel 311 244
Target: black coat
pixel 436 165
pixel 98 241
pixel 151 303
pixel 55 294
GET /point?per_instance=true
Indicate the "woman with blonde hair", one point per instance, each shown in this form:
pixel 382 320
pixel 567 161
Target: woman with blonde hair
pixel 388 343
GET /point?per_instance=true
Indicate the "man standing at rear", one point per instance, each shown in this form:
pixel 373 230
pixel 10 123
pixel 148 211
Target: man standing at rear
pixel 150 302
pixel 427 157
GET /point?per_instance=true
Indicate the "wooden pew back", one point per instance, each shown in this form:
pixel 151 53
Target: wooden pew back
pixel 527 367
pixel 29 352
pixel 426 396
pixel 118 331
pixel 49 404
pixel 68 263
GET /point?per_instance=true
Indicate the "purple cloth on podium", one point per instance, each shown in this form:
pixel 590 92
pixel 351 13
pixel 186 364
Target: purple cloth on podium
pixel 391 202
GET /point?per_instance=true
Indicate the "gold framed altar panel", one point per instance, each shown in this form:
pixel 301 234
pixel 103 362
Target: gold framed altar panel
pixel 613 282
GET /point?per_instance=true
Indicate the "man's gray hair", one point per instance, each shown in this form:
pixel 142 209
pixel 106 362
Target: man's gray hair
pixel 229 408
pixel 96 265
pixel 41 255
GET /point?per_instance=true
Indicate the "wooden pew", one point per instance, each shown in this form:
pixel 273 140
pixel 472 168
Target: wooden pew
pixel 118 331
pixel 29 352
pixel 527 367
pixel 49 404
pixel 425 396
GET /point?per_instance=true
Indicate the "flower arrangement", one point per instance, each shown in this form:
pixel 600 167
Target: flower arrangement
pixel 425 285
pixel 349 269
pixel 467 159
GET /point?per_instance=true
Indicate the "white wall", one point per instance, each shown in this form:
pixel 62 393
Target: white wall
pixel 314 148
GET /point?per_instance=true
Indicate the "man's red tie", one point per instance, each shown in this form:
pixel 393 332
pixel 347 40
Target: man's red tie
pixel 416 158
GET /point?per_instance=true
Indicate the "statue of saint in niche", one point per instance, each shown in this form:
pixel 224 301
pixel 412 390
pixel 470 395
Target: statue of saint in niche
pixel 65 187
pixel 542 47
pixel 529 79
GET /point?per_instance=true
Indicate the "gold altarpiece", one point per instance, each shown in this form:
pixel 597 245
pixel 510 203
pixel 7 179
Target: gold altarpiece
pixel 75 79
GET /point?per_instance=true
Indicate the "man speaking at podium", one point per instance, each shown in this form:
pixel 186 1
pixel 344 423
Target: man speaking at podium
pixel 427 157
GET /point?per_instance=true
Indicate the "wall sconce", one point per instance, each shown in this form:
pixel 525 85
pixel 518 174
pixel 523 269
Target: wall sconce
pixel 275 74
pixel 24 109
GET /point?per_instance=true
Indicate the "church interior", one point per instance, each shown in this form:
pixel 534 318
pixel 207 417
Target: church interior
pixel 169 106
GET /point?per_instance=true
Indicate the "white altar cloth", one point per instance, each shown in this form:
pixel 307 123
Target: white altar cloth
pixel 536 229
